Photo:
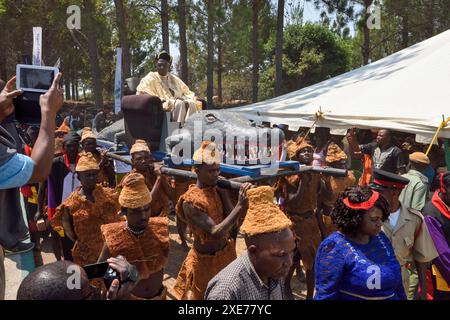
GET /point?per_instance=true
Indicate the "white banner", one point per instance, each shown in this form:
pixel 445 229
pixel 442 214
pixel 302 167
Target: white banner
pixel 118 82
pixel 37 46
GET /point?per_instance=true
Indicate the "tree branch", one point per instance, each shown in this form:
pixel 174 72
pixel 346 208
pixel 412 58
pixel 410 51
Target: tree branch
pixel 78 42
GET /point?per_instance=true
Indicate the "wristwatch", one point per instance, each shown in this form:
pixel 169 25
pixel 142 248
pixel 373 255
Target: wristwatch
pixel 133 275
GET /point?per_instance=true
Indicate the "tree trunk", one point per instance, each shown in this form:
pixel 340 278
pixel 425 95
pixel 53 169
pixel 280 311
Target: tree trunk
pixel 74 97
pixel 183 42
pixel 219 65
pixel 3 53
pixel 430 29
pixel 123 39
pixel 210 62
pixel 405 30
pixel 279 49
pixel 165 25
pixel 67 88
pixel 76 89
pixel 255 51
pixel 93 53
pixel 366 32
pixel 3 72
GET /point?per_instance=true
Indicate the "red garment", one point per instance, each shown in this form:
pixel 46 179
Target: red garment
pixel 26 189
pixel 66 160
pixel 366 176
pixel 440 205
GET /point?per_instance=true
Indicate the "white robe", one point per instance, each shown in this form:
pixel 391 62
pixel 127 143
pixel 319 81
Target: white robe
pixel 177 97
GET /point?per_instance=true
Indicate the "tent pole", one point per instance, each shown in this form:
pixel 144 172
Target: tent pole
pixel 442 125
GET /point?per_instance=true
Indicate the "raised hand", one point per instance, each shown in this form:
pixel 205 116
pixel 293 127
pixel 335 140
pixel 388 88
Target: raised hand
pixel 6 98
pixel 53 99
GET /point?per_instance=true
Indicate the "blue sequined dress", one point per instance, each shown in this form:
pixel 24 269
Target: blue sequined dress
pixel 346 270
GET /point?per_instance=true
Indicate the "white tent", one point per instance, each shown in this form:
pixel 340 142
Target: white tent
pixel 408 91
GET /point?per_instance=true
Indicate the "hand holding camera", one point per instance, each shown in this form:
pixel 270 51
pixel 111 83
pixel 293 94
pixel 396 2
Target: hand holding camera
pixel 122 276
pixel 53 99
pixel 6 98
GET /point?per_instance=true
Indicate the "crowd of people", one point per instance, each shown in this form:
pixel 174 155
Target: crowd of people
pixel 380 232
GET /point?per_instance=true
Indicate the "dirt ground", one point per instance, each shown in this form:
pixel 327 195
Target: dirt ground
pixel 177 255
pixel 176 258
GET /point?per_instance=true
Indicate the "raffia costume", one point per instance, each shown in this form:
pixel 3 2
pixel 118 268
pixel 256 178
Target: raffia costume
pixel 198 269
pixel 303 214
pixel 160 203
pixel 59 142
pixel 263 215
pixel 149 251
pixel 103 176
pixel 88 216
pixel 338 185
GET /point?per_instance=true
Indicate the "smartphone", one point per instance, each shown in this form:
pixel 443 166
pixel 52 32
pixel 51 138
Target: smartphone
pixel 102 270
pixel 96 270
pixel 31 78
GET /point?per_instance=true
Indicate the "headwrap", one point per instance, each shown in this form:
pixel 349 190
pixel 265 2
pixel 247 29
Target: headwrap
pixel 291 149
pixel 207 153
pixel 87 162
pixel 335 154
pixel 366 205
pixel 164 56
pixel 64 127
pixel 263 215
pixel 135 193
pixel 140 146
pixel 87 133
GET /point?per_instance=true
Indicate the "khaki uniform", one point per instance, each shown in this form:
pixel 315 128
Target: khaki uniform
pixel 411 241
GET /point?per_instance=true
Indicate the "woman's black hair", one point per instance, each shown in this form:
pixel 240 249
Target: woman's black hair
pixel 348 220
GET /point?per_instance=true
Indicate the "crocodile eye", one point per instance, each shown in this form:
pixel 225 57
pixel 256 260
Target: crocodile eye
pixel 210 118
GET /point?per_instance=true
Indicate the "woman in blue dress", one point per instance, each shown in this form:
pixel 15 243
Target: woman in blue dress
pixel 358 261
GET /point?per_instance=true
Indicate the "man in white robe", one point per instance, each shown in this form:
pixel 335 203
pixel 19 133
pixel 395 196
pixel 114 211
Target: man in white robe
pixel 174 93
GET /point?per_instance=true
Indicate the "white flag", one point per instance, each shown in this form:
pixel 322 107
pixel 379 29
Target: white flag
pixel 118 82
pixel 37 46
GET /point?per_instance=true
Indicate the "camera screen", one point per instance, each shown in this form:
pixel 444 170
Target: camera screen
pixel 36 78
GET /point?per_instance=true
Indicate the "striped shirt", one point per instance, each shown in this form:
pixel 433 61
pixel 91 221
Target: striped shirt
pixel 239 281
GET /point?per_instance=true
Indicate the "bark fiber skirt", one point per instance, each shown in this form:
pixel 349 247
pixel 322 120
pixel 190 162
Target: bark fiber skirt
pixel 198 269
pixel 308 237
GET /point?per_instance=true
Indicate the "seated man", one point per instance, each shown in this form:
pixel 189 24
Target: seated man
pixel 173 92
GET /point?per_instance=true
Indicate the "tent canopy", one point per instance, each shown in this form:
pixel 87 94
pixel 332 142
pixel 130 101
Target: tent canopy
pixel 408 91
